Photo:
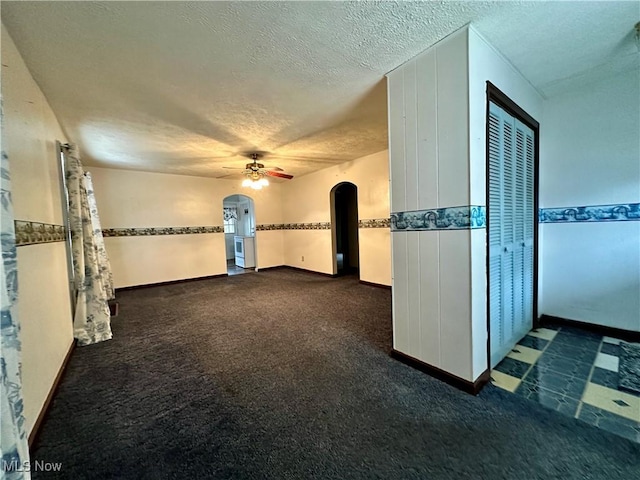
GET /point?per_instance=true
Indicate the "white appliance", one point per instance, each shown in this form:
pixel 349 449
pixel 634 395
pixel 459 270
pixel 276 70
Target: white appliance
pixel 245 251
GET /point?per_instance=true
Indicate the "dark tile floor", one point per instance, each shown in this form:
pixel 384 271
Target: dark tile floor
pixel 574 372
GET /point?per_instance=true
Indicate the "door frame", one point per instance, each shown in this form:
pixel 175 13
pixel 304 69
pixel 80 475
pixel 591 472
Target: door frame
pixel 497 96
pixel 334 240
pixel 243 197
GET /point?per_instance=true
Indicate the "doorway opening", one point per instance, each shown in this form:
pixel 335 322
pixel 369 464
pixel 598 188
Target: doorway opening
pixel 512 223
pixel 344 226
pixel 239 234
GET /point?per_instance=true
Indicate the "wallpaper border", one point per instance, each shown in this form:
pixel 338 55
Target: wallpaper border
pixel 34 233
pixel 152 231
pixel 375 223
pixel 294 226
pixel 617 212
pixel 465 217
pixel 366 223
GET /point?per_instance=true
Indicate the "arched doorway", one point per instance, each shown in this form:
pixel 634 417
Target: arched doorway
pixel 239 234
pixel 344 226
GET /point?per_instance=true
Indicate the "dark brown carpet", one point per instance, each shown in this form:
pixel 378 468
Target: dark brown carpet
pixel 287 375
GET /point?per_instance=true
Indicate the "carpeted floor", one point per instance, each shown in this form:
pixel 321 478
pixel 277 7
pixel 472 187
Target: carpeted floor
pixel 286 375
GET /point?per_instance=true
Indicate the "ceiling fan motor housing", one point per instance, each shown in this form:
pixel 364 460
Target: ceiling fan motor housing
pixel 254 166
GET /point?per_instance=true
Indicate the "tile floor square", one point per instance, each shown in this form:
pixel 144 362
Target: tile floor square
pixel 564 365
pixel 534 342
pixel 504 381
pixel 512 367
pixel 610 349
pixel 586 355
pixel 543 333
pixel 580 332
pixel 612 401
pixel 566 385
pixel 569 339
pixel 556 401
pixel 524 354
pixel 606 378
pixel 610 422
pixel 606 361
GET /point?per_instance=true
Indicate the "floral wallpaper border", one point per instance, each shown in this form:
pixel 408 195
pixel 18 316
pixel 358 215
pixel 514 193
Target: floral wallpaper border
pixel 375 223
pixel 151 231
pixel 33 233
pixel 619 212
pixel 448 218
pixel 368 223
pixel 294 226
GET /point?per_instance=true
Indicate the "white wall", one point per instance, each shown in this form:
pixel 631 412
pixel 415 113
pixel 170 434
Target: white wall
pixel 30 130
pixel 307 200
pixel 129 199
pixel 429 143
pixel 487 64
pixel 437 135
pixel 590 155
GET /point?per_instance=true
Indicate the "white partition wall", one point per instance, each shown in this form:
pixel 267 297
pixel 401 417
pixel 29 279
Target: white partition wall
pixel 429 164
pixel 437 138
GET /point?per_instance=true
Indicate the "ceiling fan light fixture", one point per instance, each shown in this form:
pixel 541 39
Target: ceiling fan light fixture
pixel 256 173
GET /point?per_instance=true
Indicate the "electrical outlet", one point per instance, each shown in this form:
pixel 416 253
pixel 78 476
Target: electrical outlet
pixel 303 258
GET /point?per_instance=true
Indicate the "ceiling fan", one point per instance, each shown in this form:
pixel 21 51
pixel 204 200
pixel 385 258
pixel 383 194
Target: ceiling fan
pixel 256 172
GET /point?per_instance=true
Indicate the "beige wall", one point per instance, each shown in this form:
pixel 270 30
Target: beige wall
pixel 30 130
pixel 129 199
pixel 307 200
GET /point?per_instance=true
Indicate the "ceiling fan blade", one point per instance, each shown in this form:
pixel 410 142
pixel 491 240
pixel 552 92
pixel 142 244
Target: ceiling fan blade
pixel 278 174
pixel 275 169
pixel 234 168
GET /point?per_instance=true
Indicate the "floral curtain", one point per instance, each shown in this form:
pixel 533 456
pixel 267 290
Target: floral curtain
pixel 13 439
pixel 101 251
pixel 92 272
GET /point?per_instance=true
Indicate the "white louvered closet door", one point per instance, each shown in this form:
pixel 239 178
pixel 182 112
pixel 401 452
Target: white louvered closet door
pixel 511 222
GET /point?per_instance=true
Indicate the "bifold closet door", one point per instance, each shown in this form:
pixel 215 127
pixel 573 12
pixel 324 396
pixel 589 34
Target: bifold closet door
pixel 511 222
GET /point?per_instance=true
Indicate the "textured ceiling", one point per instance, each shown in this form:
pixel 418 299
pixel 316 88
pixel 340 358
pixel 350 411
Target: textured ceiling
pixel 187 87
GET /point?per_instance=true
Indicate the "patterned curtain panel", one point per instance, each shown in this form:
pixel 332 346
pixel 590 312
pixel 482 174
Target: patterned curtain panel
pixel 229 213
pixel 92 275
pixel 13 439
pixel 101 252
